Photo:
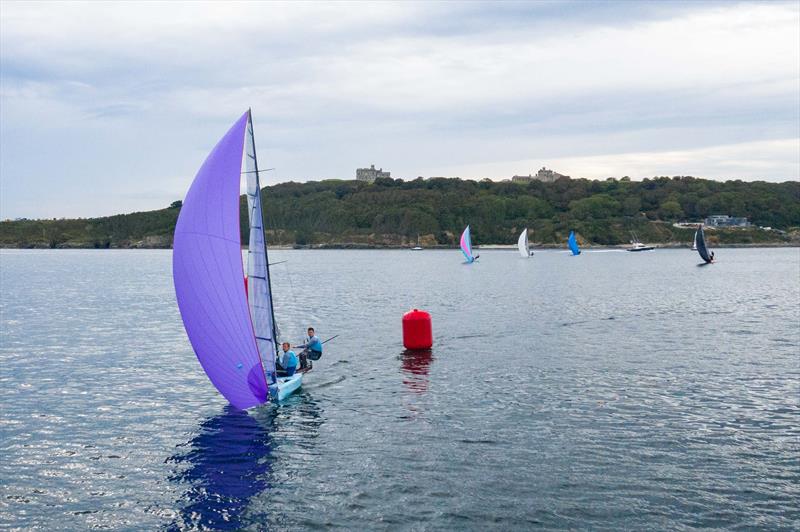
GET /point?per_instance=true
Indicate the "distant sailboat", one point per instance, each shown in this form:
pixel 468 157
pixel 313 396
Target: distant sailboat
pixel 417 247
pixel 523 246
pixel 466 247
pixel 232 329
pixel 694 242
pixel 573 244
pixel 702 248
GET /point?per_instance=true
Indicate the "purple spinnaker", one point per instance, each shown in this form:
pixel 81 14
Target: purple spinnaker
pixel 209 277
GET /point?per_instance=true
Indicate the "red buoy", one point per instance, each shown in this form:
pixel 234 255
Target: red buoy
pixel 417 331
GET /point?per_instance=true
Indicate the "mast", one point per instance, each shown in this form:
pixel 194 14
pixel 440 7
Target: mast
pixel 259 282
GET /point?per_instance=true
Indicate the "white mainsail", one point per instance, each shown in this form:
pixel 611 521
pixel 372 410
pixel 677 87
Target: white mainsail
pixel 522 244
pixel 259 289
pixel 694 242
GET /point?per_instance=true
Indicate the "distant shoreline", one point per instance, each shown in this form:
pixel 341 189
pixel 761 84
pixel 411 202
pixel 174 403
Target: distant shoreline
pixel 397 214
pixel 485 247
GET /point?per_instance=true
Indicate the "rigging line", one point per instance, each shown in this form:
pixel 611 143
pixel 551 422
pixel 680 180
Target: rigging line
pixel 291 284
pixel 270 223
pixel 256 171
pixel 263 235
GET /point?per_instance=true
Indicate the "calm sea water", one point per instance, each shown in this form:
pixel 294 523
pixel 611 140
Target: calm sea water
pixel 609 391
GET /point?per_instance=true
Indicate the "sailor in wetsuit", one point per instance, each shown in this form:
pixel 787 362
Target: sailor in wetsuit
pixel 312 348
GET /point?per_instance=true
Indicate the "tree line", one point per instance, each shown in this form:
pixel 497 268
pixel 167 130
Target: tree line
pixel 395 212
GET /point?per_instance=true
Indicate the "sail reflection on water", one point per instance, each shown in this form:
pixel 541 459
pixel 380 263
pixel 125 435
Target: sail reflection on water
pixel 231 463
pixel 226 464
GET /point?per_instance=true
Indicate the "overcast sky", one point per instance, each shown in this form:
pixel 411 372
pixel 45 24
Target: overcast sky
pixel 112 107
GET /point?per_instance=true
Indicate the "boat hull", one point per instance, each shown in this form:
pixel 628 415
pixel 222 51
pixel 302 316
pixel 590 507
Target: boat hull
pixel 285 387
pixel 646 248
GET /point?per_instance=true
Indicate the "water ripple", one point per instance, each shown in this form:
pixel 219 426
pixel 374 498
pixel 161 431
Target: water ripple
pixel 597 392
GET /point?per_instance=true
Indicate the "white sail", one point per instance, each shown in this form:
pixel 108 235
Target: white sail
pixel 259 290
pixel 694 242
pixel 522 244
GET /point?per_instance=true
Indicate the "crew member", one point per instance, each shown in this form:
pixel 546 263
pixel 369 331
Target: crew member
pixel 313 346
pixel 288 361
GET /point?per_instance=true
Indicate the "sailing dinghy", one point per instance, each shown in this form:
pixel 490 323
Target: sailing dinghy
pixel 466 247
pixel 572 242
pixel 694 242
pixel 232 329
pixel 523 246
pixel 702 248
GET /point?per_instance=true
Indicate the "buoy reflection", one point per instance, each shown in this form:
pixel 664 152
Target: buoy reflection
pixel 416 366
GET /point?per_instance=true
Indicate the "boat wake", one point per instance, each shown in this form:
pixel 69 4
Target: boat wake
pixel 571 323
pixel 604 250
pixel 330 383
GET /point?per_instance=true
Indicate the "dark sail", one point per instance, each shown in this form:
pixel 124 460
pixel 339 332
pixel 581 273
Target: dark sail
pixel 701 245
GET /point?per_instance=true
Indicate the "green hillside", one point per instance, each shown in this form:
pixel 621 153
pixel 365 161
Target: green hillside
pixel 393 212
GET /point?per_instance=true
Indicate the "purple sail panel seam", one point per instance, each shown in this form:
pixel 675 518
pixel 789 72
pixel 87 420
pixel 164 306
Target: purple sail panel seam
pixel 233 325
pixel 230 321
pixel 208 336
pixel 208 235
pixel 244 333
pixel 201 337
pixel 206 297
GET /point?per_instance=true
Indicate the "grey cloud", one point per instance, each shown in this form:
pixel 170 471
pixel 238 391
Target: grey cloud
pixel 420 88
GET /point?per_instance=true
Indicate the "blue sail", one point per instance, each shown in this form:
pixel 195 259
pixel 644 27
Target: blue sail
pixel 573 244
